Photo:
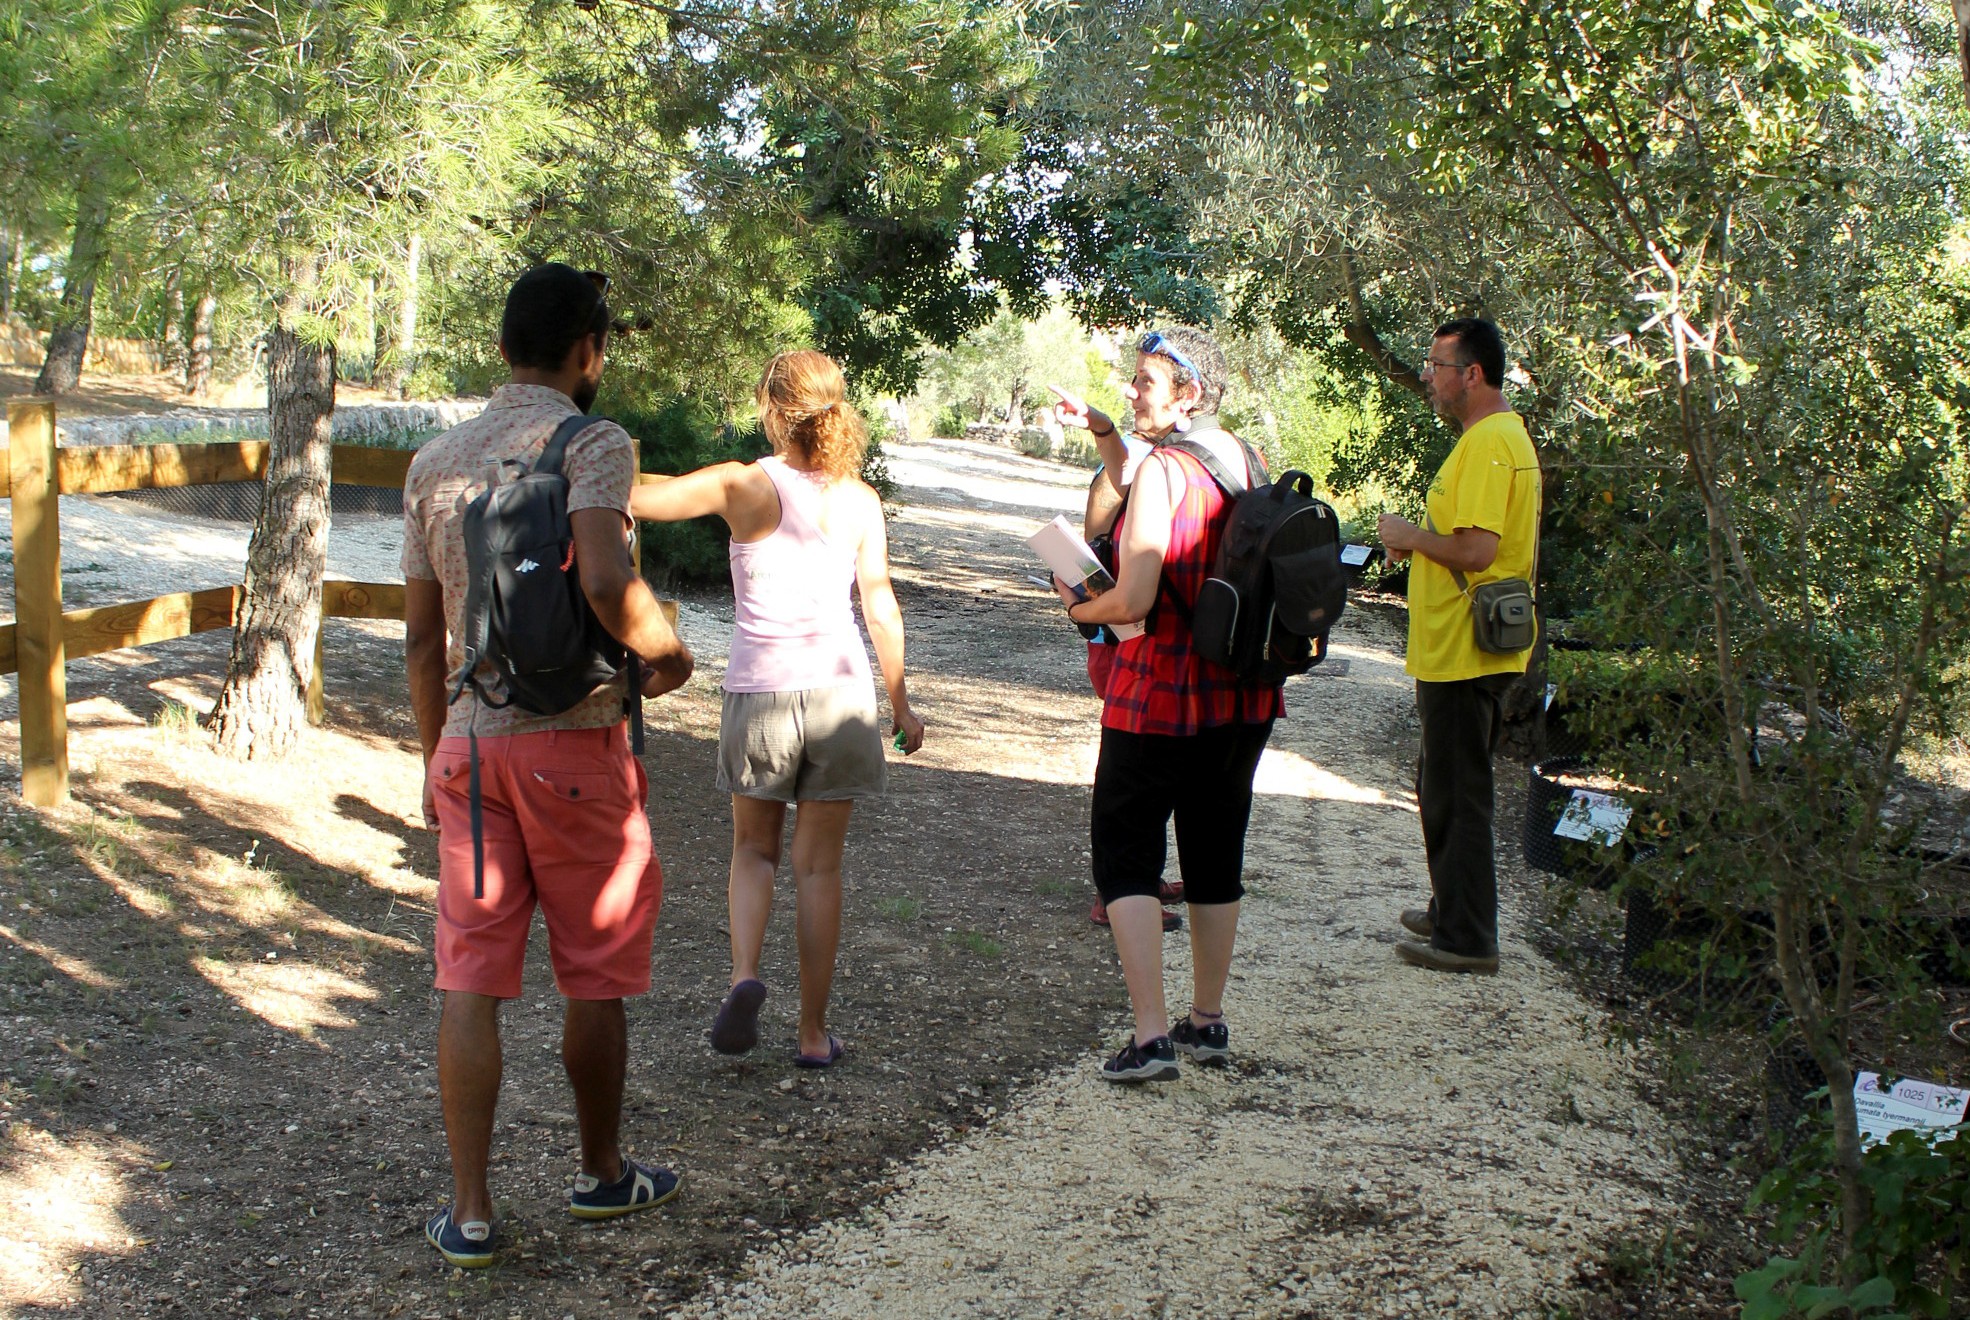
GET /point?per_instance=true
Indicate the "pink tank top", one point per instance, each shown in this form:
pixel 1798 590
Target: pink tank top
pixel 794 626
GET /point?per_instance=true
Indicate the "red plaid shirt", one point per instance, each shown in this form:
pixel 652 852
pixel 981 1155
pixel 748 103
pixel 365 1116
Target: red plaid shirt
pixel 1159 684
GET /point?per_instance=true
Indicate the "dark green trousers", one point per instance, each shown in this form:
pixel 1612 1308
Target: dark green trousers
pixel 1461 723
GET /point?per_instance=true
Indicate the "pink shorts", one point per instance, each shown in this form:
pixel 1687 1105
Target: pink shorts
pixel 564 827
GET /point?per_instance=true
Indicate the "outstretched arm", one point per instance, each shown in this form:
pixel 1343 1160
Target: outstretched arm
pixel 1072 410
pixel 885 619
pixel 715 489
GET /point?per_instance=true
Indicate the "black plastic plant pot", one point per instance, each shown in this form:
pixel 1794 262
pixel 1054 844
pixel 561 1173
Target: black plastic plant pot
pixel 1792 1105
pixel 1649 924
pixel 1564 732
pixel 1546 797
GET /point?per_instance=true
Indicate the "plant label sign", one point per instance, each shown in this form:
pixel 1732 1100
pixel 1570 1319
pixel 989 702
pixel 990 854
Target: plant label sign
pixel 1890 1104
pixel 1593 817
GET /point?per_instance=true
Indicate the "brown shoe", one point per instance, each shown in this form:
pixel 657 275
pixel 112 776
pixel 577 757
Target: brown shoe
pixel 1442 960
pixel 1417 922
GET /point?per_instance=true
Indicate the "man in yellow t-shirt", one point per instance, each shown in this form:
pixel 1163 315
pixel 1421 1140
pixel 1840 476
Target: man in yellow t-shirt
pixel 1482 523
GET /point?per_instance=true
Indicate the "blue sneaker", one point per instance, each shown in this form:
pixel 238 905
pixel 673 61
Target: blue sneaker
pixel 469 1245
pixel 640 1187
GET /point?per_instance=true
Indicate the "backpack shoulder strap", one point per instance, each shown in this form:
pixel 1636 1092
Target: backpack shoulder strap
pixel 551 458
pixel 477 623
pixel 1227 483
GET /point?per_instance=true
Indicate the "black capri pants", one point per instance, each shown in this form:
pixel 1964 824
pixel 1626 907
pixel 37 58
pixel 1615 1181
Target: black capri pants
pixel 1204 779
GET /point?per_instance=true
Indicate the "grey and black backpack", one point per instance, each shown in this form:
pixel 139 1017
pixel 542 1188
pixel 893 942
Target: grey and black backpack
pixel 1277 587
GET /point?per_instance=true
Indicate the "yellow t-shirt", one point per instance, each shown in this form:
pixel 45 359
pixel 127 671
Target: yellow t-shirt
pixel 1490 481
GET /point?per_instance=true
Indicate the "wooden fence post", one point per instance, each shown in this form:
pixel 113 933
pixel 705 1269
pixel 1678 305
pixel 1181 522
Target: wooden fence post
pixel 38 601
pixel 317 707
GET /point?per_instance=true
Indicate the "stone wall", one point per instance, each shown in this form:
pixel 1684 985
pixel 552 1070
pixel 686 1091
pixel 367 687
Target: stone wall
pixel 191 426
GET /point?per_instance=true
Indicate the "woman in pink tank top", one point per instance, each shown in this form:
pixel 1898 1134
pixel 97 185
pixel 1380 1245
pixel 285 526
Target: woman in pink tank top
pixel 799 722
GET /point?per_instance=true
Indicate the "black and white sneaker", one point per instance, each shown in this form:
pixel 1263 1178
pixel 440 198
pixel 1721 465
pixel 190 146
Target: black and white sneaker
pixel 1155 1061
pixel 1209 1045
pixel 640 1187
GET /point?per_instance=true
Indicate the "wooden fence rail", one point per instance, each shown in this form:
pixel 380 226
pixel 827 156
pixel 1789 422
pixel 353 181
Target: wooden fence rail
pixel 43 637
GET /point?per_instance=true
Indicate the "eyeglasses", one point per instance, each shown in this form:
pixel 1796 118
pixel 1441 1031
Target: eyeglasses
pixel 1430 364
pixel 599 280
pixel 1155 342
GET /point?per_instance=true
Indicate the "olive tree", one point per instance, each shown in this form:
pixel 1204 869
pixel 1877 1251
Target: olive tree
pixel 1721 229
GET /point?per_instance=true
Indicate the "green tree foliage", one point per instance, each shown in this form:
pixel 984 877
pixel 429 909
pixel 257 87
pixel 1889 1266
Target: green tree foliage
pixel 1001 370
pixel 91 83
pixel 753 178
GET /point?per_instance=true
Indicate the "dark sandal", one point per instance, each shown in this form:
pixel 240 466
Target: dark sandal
pixel 736 1028
pixel 816 1060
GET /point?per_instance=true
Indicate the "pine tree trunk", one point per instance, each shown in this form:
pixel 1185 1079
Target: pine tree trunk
pixel 174 320
pixel 62 371
pixel 263 707
pixel 407 318
pixel 198 354
pixel 384 373
pixel 10 247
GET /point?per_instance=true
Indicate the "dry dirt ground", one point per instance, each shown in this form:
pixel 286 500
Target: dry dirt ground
pixel 216 1024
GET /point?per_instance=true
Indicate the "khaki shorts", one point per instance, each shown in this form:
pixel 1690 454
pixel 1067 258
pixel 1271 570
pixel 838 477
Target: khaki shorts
pixel 815 745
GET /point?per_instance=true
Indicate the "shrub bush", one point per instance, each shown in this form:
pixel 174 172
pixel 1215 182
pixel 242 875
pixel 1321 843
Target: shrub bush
pixel 1912 1254
pixel 1078 449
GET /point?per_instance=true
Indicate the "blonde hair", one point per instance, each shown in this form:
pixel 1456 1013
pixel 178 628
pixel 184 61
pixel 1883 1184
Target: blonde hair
pixel 803 404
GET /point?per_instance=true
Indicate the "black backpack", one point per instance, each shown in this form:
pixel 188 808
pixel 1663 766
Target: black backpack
pixel 1277 587
pixel 525 611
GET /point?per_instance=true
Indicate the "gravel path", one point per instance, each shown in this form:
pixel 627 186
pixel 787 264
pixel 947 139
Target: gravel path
pixel 1389 1142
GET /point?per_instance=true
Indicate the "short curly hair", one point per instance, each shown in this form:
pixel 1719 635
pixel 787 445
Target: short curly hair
pixel 803 404
pixel 1204 361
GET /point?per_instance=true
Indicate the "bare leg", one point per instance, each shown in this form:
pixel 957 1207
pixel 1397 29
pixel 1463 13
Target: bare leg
pixel 757 826
pixel 820 833
pixel 1137 921
pixel 468 1081
pixel 1213 932
pixel 595 1052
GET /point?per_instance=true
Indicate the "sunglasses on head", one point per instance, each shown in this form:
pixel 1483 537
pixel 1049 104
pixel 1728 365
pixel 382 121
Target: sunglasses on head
pixel 1155 343
pixel 601 282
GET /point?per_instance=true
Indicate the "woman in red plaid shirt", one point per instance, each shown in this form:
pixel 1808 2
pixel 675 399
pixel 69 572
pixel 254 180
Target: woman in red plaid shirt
pixel 1179 735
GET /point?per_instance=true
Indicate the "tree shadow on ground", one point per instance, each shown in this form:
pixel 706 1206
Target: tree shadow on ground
pixel 292 1096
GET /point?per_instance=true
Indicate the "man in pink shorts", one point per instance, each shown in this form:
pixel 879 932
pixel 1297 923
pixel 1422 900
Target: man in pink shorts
pixel 561 798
